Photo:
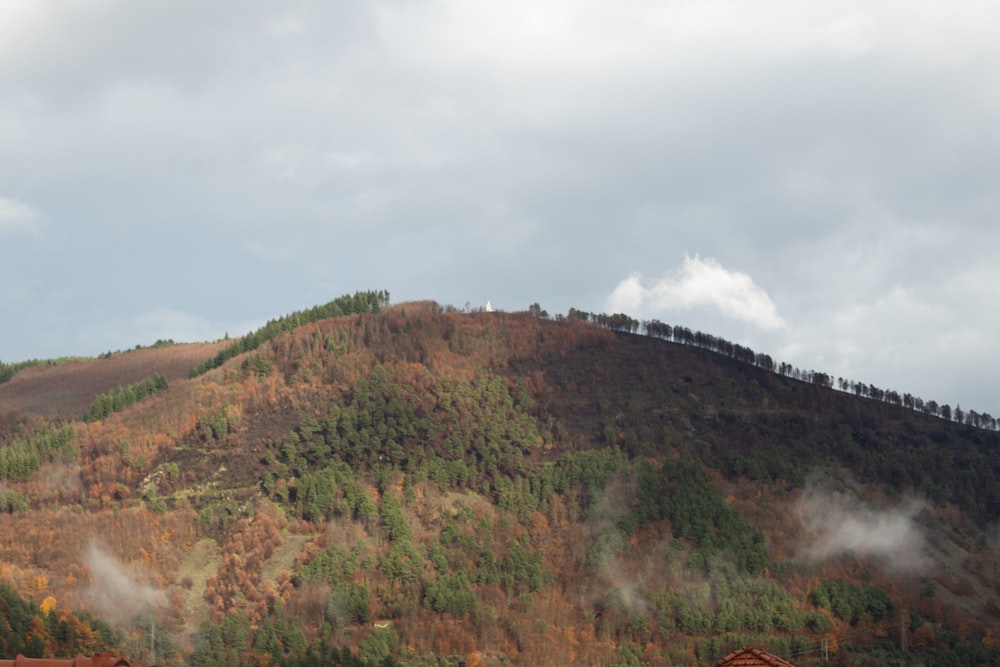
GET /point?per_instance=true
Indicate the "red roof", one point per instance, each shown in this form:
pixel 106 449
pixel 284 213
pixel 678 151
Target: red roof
pixel 99 660
pixel 753 657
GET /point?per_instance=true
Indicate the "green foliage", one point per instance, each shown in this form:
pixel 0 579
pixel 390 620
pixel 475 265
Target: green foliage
pixel 817 622
pixel 267 640
pixel 217 425
pixel 359 302
pixel 394 520
pixel 12 501
pixel 403 563
pixel 153 501
pixel 450 594
pixel 22 457
pixel 682 493
pixel 521 571
pixel 323 654
pixel 218 514
pixel 257 364
pixel 456 432
pixel 333 490
pixel 221 645
pixel 477 423
pixel 735 605
pixel 851 602
pixel 602 549
pixel 317 493
pixel 123 397
pixel 748 604
pixel 17 616
pixel 629 655
pixel 379 645
pixel 335 566
pixel 589 469
pixel 349 602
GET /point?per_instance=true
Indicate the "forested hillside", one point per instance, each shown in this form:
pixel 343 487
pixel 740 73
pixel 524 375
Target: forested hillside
pixel 365 483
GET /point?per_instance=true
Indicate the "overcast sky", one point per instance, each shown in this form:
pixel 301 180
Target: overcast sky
pixel 817 180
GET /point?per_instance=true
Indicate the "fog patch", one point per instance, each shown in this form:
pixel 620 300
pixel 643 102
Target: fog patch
pixel 834 523
pixel 59 479
pixel 625 586
pixel 619 583
pixel 117 592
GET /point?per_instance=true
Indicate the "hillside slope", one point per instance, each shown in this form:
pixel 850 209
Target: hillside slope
pixel 67 390
pixel 493 488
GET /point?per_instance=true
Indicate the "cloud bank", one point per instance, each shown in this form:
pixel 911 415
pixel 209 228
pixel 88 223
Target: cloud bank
pixel 700 282
pixel 840 154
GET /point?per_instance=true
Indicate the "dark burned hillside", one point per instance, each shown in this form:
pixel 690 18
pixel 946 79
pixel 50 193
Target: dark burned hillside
pixel 429 486
pixel 751 423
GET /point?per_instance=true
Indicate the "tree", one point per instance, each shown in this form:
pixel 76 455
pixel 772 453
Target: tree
pixel 451 594
pixel 378 645
pixel 536 310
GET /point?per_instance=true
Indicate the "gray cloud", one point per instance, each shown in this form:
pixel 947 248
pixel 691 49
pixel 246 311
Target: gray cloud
pixel 234 166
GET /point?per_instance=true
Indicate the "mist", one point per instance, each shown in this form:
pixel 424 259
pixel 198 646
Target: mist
pixel 117 592
pixel 834 523
pixel 608 538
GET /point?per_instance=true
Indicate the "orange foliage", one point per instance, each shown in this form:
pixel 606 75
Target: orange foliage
pixel 47 605
pixel 237 584
pixel 924 636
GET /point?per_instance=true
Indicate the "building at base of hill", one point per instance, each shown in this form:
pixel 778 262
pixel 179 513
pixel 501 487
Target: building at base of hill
pixel 752 657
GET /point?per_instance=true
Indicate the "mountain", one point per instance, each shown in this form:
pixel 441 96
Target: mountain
pixel 368 483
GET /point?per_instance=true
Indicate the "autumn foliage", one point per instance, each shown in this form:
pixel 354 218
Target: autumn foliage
pixel 423 484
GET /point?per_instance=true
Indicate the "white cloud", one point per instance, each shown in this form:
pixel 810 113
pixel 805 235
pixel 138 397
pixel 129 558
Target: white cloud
pixel 17 216
pixel 700 282
pixel 834 523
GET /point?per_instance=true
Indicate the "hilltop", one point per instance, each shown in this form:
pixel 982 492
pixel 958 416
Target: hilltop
pixel 426 485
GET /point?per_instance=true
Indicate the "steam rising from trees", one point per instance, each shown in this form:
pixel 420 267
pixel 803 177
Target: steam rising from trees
pixel 117 592
pixel 834 523
pixel 608 538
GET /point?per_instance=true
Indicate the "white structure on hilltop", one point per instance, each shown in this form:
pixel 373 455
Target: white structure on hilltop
pixel 489 307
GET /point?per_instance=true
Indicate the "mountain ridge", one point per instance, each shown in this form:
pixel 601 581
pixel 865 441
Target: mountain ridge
pixel 485 461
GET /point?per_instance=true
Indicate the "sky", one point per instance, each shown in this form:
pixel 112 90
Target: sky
pixel 816 180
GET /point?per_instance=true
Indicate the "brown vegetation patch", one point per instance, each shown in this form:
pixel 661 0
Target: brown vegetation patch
pixel 67 390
